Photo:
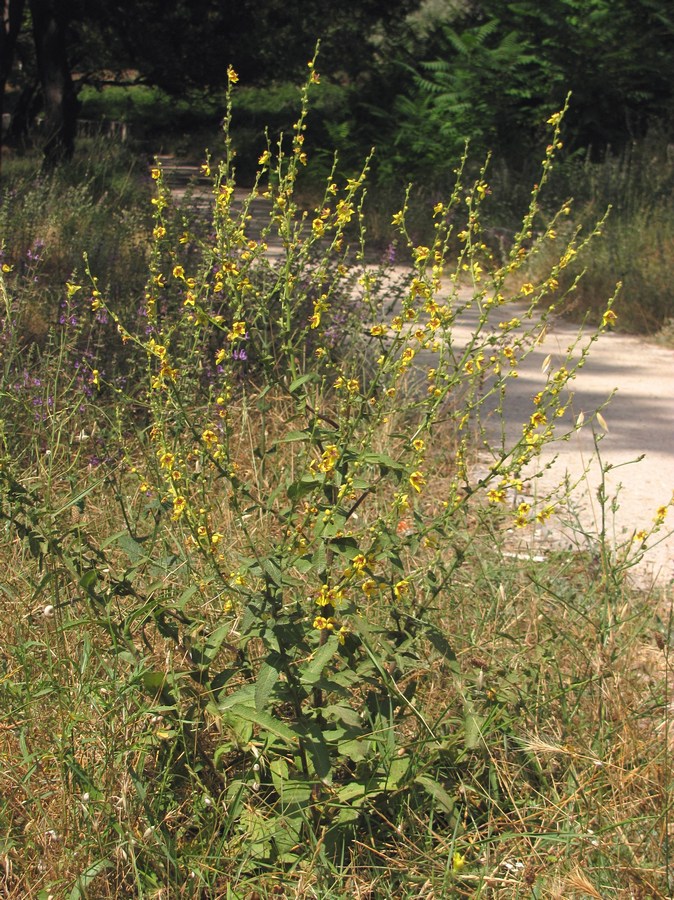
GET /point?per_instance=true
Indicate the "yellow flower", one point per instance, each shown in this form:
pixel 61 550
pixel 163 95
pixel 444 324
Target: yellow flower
pixel 238 331
pixel 417 480
pixel 344 212
pixel 527 289
pixel 156 349
pixel 544 514
pixel 458 862
pixel 368 587
pixel 496 496
pixel 166 459
pixel 609 318
pixel 72 289
pixel 179 504
pixel 232 77
pixel 328 596
pixel 329 458
pixel 178 272
pixel 359 562
pixel 156 173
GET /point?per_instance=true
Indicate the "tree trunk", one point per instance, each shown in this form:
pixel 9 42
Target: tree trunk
pixel 58 90
pixel 12 17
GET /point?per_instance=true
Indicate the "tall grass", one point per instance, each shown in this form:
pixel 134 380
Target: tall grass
pixel 262 634
pixel 638 240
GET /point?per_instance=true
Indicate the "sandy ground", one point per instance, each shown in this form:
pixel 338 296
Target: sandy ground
pixel 640 420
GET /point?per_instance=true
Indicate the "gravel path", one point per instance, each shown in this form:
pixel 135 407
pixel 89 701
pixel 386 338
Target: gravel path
pixel 640 420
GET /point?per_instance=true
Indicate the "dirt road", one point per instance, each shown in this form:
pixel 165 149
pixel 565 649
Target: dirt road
pixel 640 420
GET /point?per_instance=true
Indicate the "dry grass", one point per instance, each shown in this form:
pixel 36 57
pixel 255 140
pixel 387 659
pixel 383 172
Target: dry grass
pixel 552 739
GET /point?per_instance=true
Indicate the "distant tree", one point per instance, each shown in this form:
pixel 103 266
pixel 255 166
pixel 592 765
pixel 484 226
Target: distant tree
pixel 615 56
pixel 494 71
pixel 180 45
pixel 12 19
pixel 183 44
pixel 49 19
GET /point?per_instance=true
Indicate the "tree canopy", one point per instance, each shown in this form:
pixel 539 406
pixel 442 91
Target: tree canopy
pixel 424 75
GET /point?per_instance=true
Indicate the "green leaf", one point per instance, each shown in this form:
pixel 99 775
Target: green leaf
pixel 266 679
pixel 319 752
pixel 314 668
pixel 347 545
pixel 383 460
pixel 76 500
pixel 437 792
pixel 355 794
pixel 302 379
pixel 153 682
pixel 293 436
pixel 319 559
pixel 130 547
pixel 472 725
pixel 83 880
pixel 88 580
pixel 442 645
pixel 357 750
pixel 304 486
pixel 265 721
pixel 245 695
pixel 185 596
pixel 271 568
pixel 304 564
pixel 344 714
pixel 397 771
